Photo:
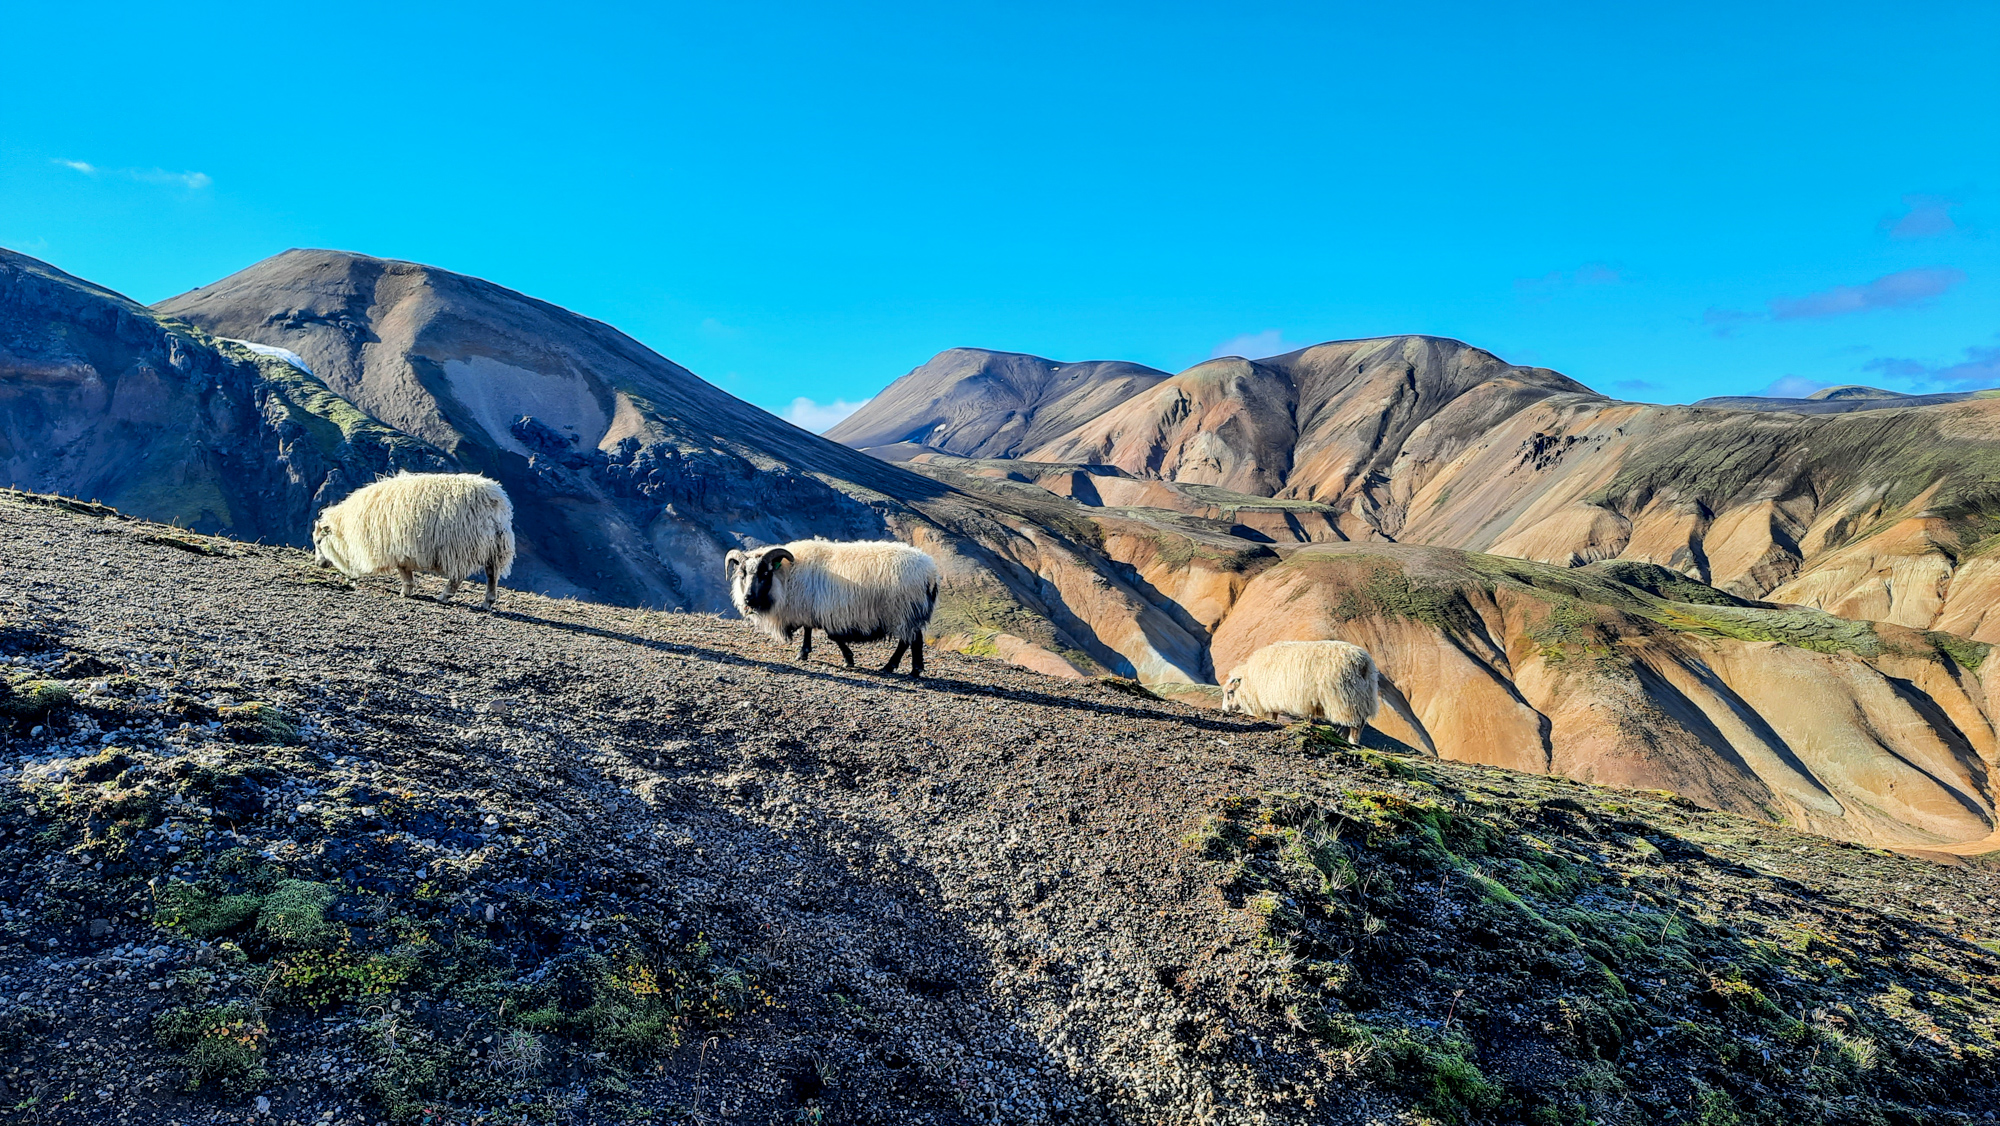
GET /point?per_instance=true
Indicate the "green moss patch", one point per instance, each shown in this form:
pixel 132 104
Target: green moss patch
pixel 1497 959
pixel 27 699
pixel 257 722
pixel 222 1046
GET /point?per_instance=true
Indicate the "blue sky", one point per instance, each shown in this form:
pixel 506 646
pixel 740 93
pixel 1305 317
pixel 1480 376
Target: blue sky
pixel 805 201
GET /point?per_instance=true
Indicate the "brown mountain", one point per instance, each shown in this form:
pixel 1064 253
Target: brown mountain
pixel 1883 513
pixel 974 403
pixel 633 466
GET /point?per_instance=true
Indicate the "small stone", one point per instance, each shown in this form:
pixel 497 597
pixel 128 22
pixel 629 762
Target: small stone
pixel 263 1105
pixel 100 927
pixel 35 732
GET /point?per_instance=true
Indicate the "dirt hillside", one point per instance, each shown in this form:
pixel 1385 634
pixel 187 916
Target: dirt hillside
pixel 282 850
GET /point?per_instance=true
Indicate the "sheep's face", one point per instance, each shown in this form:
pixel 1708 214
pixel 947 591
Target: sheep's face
pixel 754 577
pixel 322 546
pixel 329 550
pixel 1229 693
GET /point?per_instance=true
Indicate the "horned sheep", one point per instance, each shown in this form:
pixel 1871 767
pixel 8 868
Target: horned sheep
pixel 1331 680
pixel 449 524
pixel 855 592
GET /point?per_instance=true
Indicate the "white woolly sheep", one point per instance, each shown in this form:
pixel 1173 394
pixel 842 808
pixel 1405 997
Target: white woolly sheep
pixel 861 591
pixel 1331 680
pixel 449 524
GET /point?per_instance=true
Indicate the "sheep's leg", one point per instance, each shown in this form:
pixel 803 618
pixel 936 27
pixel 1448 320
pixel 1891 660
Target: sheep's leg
pixel 409 581
pixel 896 658
pixel 1352 734
pixel 806 650
pixel 492 583
pixel 450 590
pixel 845 653
pixel 917 657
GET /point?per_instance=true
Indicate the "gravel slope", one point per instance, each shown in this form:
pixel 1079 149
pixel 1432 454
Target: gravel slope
pixel 566 862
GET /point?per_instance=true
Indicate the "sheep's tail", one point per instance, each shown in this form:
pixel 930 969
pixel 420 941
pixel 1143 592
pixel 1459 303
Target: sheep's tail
pixel 1396 701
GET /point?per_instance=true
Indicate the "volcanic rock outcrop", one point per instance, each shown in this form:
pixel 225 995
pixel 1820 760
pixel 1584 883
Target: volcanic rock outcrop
pixel 100 398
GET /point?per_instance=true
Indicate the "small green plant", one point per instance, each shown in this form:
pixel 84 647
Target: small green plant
pixel 293 917
pixel 318 979
pixel 27 699
pixel 221 1046
pixel 258 722
pixel 203 912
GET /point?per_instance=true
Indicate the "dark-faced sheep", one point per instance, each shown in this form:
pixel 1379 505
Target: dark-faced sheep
pixel 1328 680
pixel 449 524
pixel 855 592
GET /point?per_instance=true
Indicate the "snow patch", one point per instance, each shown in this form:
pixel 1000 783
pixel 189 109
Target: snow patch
pixel 495 394
pixel 285 354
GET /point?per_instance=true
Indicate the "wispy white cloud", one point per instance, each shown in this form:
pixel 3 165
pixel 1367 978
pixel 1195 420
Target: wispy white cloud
pixel 1890 291
pixel 1256 345
pixel 192 181
pixel 820 417
pixel 716 330
pixel 1979 370
pixel 1924 216
pixel 1901 289
pixel 1588 275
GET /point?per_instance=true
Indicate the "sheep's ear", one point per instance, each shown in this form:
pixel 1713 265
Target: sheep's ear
pixel 775 558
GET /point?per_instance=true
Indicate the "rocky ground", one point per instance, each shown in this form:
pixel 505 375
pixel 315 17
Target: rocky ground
pixel 279 848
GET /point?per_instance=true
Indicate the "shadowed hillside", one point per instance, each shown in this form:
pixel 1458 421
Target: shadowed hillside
pixel 101 398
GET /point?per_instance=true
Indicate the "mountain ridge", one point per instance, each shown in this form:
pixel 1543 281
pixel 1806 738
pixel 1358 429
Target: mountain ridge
pixel 1429 440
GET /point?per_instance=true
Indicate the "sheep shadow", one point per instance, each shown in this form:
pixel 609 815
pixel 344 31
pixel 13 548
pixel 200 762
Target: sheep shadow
pixel 887 681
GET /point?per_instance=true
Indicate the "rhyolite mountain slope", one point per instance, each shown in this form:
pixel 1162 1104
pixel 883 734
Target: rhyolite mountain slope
pixel 975 403
pixel 1884 513
pixel 263 836
pixel 1623 673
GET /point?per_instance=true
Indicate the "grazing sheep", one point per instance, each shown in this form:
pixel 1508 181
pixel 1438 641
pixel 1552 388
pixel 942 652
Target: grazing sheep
pixel 863 591
pixel 450 524
pixel 1327 679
